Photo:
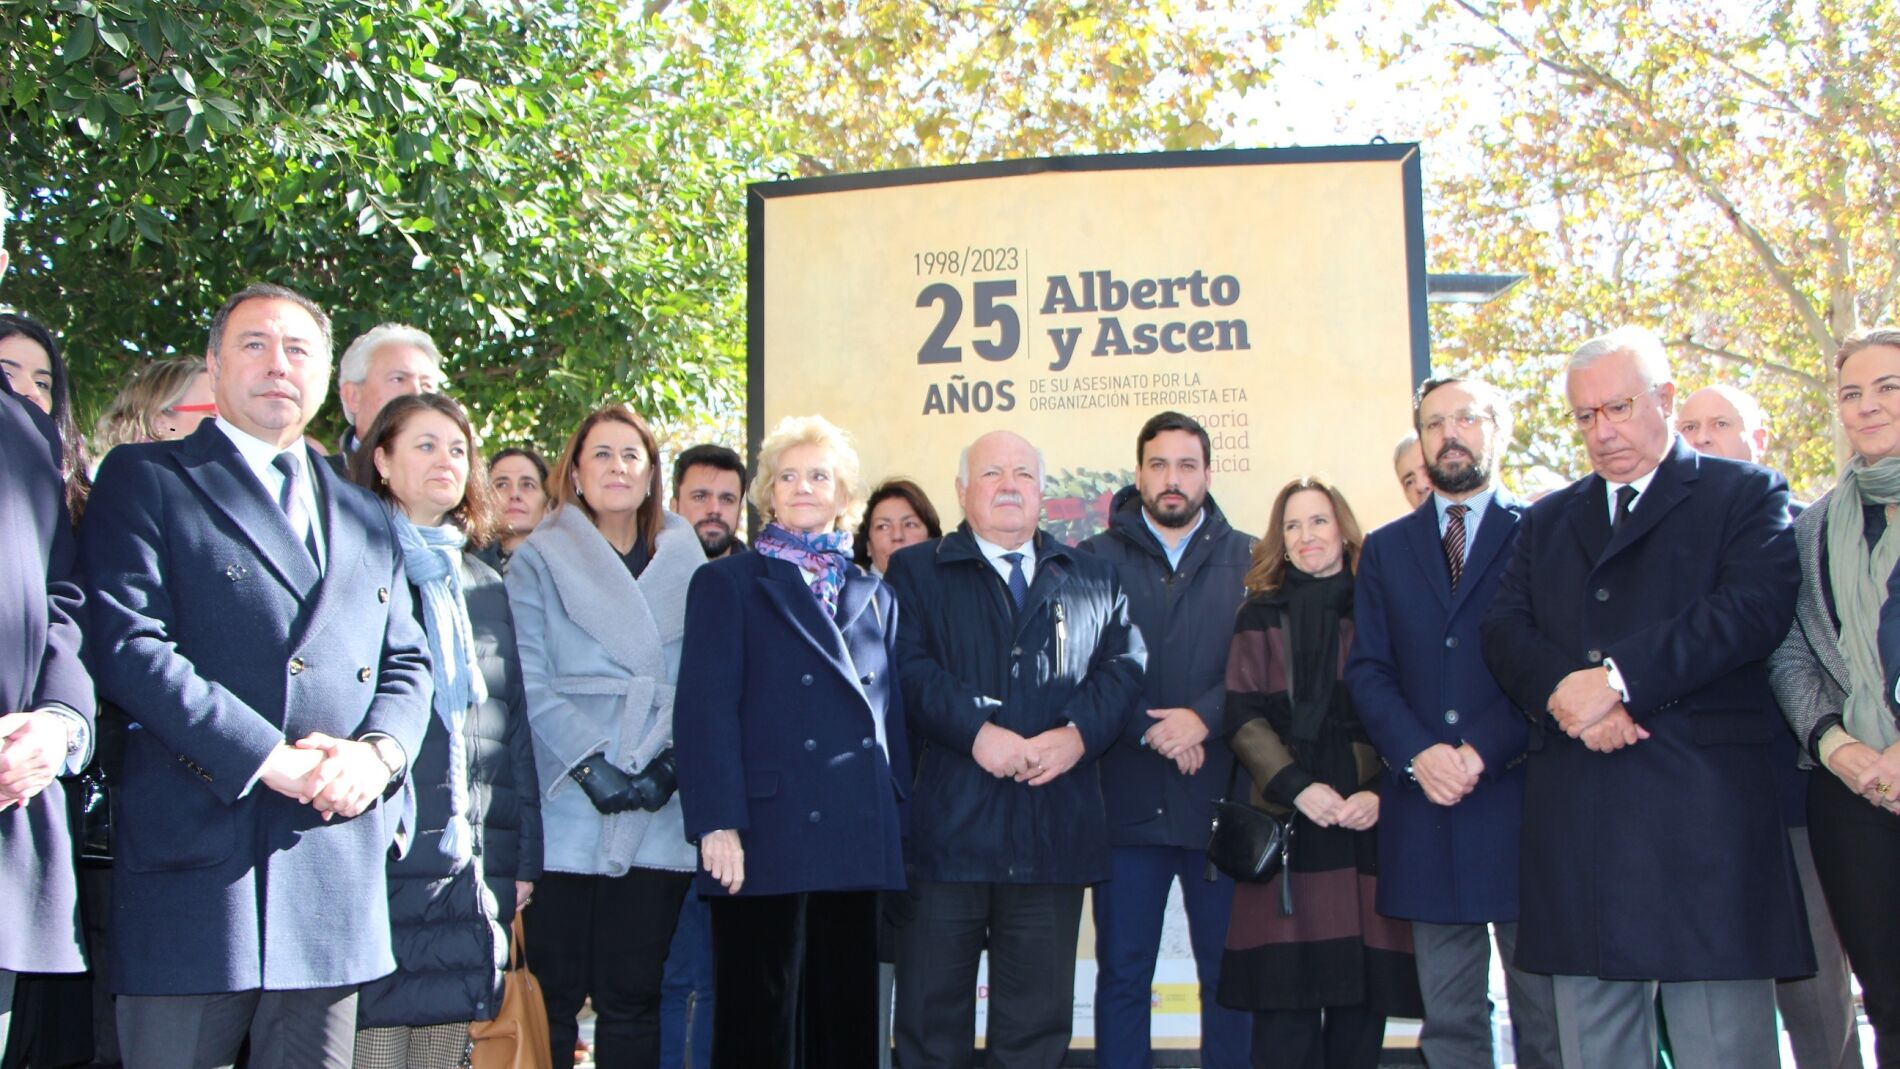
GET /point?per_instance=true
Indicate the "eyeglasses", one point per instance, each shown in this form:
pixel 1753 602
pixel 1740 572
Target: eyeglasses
pixel 1464 421
pixel 1618 411
pixel 209 408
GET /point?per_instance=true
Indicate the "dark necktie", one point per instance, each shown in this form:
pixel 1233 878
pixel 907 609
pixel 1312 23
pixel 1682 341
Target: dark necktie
pixel 1455 541
pixel 1625 496
pixel 290 499
pixel 1018 583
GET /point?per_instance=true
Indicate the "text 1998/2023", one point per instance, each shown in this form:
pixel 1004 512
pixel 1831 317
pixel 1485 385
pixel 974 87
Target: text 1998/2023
pixel 976 259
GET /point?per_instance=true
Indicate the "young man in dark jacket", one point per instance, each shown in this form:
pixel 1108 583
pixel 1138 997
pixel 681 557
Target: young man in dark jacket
pixel 1019 667
pixel 1183 568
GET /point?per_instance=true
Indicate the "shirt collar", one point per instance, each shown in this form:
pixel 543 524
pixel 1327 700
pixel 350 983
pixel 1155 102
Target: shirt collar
pixel 994 553
pixel 1476 503
pixel 256 452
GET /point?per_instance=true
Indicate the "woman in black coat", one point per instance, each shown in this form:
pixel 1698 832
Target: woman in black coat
pixel 1322 981
pixel 474 849
pixel 789 729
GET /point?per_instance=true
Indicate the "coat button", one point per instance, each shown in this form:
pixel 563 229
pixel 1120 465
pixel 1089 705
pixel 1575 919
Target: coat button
pixel 382 593
pixel 867 742
pixel 805 679
pixel 811 744
pixel 1602 594
pixel 1016 652
pixel 1451 642
pixel 1451 716
pixel 296 666
pixel 1595 656
pixel 813 817
pixel 869 678
pixel 363 675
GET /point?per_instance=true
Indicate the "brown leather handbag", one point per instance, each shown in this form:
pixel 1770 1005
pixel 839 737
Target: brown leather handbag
pixel 518 1036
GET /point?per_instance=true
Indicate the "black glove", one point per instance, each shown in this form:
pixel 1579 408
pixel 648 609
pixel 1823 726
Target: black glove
pixel 610 789
pixel 656 782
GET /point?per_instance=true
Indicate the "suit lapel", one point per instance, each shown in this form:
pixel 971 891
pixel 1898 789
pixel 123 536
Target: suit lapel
pixel 1812 608
pixel 794 601
pixel 1588 511
pixel 1669 488
pixel 343 543
pixel 212 462
pixel 1421 533
pixel 1493 531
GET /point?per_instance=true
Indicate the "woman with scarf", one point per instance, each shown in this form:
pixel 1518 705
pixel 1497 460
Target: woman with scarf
pixel 599 593
pixel 1322 980
pixel 1828 678
pixel 792 765
pixel 474 844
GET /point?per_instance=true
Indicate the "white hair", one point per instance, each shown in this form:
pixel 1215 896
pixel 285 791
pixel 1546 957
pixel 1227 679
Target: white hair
pixel 1652 360
pixel 1744 403
pixel 1407 442
pixel 963 466
pixel 354 367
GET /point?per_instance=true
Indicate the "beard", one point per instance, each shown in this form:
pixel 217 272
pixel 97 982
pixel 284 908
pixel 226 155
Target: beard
pixel 1475 473
pixel 1171 515
pixel 715 539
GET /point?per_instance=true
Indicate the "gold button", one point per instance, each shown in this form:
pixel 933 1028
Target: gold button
pixel 382 593
pixel 362 675
pixel 296 665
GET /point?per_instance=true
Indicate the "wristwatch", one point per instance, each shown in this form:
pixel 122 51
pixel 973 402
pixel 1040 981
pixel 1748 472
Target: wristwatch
pixel 1615 679
pixel 389 752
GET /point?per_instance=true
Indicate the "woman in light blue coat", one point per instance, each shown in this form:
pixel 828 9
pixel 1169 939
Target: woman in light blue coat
pixel 599 598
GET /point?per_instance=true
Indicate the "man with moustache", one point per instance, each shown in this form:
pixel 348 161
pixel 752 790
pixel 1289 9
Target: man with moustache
pixel 1020 669
pixel 1633 624
pixel 1452 741
pixel 1818 1011
pixel 708 482
pixel 256 627
pixel 708 492
pixel 1184 569
pixel 1408 463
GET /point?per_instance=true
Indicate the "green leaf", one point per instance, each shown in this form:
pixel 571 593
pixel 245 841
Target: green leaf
pixel 185 80
pixel 79 41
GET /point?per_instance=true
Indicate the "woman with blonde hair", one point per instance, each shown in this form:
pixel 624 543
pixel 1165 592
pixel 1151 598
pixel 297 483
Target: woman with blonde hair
pixel 1321 980
pixel 163 400
pixel 792 746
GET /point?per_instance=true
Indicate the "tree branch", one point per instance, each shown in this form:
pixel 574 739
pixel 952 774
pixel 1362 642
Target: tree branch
pixel 1805 378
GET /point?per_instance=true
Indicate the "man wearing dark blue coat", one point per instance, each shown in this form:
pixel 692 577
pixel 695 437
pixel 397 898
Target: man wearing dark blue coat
pixel 1452 742
pixel 1633 624
pixel 253 621
pixel 1020 668
pixel 46 702
pixel 1184 570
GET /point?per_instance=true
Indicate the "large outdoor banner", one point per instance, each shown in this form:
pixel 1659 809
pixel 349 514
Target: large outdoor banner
pixel 1276 295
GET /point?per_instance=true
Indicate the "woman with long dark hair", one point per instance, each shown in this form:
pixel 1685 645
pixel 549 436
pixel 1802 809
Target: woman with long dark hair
pixel 30 358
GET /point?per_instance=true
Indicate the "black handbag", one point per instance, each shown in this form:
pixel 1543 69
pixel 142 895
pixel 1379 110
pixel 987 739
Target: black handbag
pixel 1250 844
pixel 94 839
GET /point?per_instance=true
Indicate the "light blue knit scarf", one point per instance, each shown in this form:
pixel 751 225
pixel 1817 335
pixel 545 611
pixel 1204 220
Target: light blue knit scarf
pixel 432 558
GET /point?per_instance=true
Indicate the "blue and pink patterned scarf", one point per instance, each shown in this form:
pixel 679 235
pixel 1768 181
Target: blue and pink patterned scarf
pixel 826 555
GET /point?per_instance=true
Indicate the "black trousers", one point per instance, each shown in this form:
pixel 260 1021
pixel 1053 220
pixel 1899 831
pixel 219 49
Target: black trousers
pixel 313 1029
pixel 604 938
pixel 1338 1037
pixel 1857 855
pixel 1030 930
pixel 795 981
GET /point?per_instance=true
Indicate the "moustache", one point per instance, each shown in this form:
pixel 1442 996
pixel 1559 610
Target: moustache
pixel 1450 449
pixel 1007 497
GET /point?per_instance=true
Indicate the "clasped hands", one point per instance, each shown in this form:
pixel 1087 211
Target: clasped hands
pixel 1323 806
pixel 1178 735
pixel 338 777
pixel 1447 773
pixel 1589 709
pixel 614 790
pixel 1872 774
pixel 32 753
pixel 1035 761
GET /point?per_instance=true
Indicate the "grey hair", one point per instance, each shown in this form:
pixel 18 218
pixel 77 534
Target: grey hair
pixel 1652 360
pixel 963 466
pixel 354 367
pixel 1407 442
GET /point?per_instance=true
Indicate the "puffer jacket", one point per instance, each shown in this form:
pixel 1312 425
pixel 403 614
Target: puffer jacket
pixel 449 921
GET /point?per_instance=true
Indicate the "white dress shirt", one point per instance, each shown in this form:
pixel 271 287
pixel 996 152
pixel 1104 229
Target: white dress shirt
pixel 994 554
pixel 1642 486
pixel 258 455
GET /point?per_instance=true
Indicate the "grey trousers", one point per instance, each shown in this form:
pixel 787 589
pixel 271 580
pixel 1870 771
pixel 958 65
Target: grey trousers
pixel 314 1029
pixel 1713 1024
pixel 1818 1012
pixel 1454 974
